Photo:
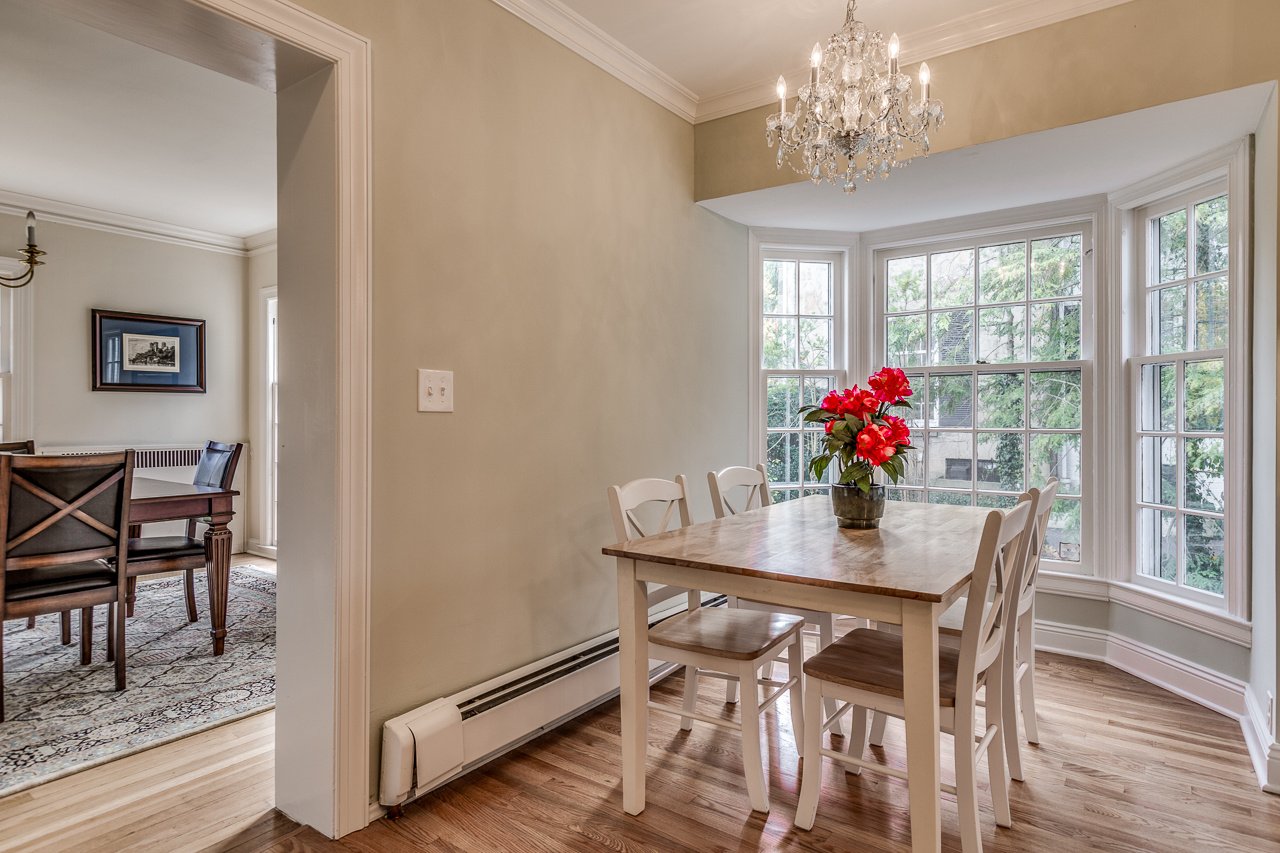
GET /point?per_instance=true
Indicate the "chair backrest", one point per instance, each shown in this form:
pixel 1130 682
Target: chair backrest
pixel 28 447
pixel 217 465
pixel 56 510
pixel 668 497
pixel 1044 499
pixel 723 483
pixel 1002 556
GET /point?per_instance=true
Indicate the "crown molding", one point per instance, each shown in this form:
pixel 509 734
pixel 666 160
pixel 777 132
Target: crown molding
pixel 66 213
pixel 260 244
pixel 598 47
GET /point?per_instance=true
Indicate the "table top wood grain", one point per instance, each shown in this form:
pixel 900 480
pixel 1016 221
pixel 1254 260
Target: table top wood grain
pixel 147 488
pixel 920 551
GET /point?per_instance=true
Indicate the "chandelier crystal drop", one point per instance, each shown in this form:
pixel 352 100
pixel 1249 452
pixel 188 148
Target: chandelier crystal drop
pixel 855 118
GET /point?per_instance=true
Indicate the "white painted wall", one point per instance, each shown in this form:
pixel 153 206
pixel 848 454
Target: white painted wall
pixel 260 281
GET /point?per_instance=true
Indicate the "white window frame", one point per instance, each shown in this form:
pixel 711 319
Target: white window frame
pixel 17 316
pixel 1227 168
pixel 840 249
pixel 1032 223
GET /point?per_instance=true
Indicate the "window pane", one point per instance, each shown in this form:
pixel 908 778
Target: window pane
pixel 1158 549
pixel 815 388
pixel 1055 267
pixel 905 340
pixel 1055 399
pixel 779 287
pixel 1211 235
pixel 779 343
pixel 905 286
pixel 782 457
pixel 951 401
pixel 815 288
pixel 952 498
pixel 1206 548
pixel 1000 400
pixel 997 501
pixel 1062 538
pixel 951 459
pixel 1205 468
pixel 919 403
pixel 1002 334
pixel 1002 273
pixel 951 279
pixel 1204 396
pixel 780 495
pixel 1001 460
pixel 1159 462
pixel 915 461
pixel 783 399
pixel 1158 406
pixel 1056 455
pixel 1168 309
pixel 1211 314
pixel 1171 235
pixel 914 496
pixel 951 338
pixel 1055 331
pixel 815 344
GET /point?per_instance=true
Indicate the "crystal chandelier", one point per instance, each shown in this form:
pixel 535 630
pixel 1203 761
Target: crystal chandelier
pixel 855 117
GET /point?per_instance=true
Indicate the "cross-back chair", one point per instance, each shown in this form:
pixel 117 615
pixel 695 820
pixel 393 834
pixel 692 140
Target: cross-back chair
pixel 864 670
pixel 28 447
pixel 61 519
pixel 731 645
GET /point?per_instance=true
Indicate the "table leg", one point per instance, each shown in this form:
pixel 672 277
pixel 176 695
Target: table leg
pixel 920 696
pixel 633 641
pixel 217 550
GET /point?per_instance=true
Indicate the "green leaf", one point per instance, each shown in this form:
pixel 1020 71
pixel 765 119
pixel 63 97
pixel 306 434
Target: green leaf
pixel 818 466
pixel 902 404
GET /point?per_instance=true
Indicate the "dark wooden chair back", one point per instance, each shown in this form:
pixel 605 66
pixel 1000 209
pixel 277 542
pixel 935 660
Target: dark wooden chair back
pixel 56 510
pixel 28 447
pixel 218 465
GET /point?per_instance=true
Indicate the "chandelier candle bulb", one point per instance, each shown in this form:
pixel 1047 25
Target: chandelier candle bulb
pixel 815 61
pixel 782 96
pixel 31 228
pixel 924 81
pixel 894 47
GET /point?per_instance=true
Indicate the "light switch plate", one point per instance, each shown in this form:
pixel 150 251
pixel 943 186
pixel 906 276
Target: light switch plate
pixel 435 390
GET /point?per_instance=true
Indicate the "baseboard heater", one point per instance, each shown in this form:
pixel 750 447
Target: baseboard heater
pixel 442 740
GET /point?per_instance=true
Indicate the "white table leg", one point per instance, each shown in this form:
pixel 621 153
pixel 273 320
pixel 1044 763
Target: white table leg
pixel 633 640
pixel 920 696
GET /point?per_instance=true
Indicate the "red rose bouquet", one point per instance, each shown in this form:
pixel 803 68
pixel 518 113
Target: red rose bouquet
pixel 861 433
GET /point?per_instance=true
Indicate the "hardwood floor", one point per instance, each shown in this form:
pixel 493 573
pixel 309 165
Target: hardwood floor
pixel 1123 766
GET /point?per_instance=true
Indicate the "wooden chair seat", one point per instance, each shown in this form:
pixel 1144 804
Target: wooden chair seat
pixel 23 584
pixel 871 660
pixel 723 633
pixel 165 548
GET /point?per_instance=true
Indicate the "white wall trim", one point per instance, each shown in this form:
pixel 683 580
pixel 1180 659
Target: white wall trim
pixel 1261 742
pixel 260 244
pixel 65 213
pixel 603 50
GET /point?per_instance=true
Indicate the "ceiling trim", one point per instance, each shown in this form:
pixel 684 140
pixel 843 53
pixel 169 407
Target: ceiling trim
pixel 598 47
pixel 66 213
pixel 260 244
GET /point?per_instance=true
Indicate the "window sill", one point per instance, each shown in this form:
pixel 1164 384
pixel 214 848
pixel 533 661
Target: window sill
pixel 1215 623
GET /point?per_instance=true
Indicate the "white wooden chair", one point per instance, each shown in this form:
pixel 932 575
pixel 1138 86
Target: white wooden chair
pixel 1020 665
pixel 864 670
pixel 737 489
pixel 722 643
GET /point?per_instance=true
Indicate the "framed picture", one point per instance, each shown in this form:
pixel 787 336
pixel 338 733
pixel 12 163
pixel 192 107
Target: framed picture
pixel 147 352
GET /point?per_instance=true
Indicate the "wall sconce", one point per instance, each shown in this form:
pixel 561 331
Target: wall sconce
pixel 30 256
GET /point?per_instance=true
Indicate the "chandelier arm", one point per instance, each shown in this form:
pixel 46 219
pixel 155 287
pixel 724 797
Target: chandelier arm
pixel 22 280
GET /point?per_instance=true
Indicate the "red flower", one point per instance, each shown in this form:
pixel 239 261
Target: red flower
pixel 875 445
pixel 899 432
pixel 861 404
pixel 890 385
pixel 830 426
pixel 831 403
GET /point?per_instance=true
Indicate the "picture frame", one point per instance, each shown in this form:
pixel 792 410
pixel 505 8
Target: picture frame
pixel 147 352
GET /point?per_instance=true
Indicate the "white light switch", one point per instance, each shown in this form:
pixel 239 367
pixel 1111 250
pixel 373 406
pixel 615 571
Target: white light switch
pixel 435 390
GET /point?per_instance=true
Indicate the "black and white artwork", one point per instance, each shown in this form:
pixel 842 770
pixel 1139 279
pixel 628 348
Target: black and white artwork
pixel 152 353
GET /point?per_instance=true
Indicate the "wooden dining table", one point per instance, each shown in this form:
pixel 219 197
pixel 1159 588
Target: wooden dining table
pixel 907 572
pixel 160 500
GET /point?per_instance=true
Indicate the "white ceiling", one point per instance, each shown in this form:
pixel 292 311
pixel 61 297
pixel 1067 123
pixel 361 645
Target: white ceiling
pixel 96 121
pixel 1067 162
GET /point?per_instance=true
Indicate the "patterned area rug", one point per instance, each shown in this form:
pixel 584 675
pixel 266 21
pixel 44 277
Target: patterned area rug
pixel 62 717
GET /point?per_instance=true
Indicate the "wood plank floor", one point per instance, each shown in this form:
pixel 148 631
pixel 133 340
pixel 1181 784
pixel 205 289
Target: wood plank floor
pixel 1123 766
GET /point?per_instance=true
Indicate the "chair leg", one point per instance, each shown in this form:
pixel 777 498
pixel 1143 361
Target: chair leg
pixel 65 619
pixel 878 721
pixel 994 715
pixel 133 594
pixel 752 761
pixel 86 635
pixel 826 636
pixel 189 583
pixel 857 745
pixel 111 632
pixel 811 768
pixel 967 784
pixel 31 622
pixel 795 669
pixel 1 674
pixel 119 646
pixel 1008 665
pixel 731 687
pixel 690 696
pixel 1027 684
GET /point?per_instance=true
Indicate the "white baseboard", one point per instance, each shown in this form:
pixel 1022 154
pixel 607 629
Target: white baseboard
pixel 1215 691
pixel 260 550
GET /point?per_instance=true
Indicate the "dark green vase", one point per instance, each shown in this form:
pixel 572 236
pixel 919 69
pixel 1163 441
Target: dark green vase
pixel 857 509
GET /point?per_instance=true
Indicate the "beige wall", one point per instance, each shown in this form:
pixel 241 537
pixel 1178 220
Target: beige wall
pixel 534 232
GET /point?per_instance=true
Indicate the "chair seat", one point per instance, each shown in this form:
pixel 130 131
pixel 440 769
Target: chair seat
pixel 26 584
pixel 725 633
pixel 871 660
pixel 165 547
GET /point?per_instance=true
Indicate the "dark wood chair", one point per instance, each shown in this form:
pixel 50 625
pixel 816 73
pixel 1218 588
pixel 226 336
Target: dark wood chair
pixel 61 519
pixel 153 555
pixel 28 447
